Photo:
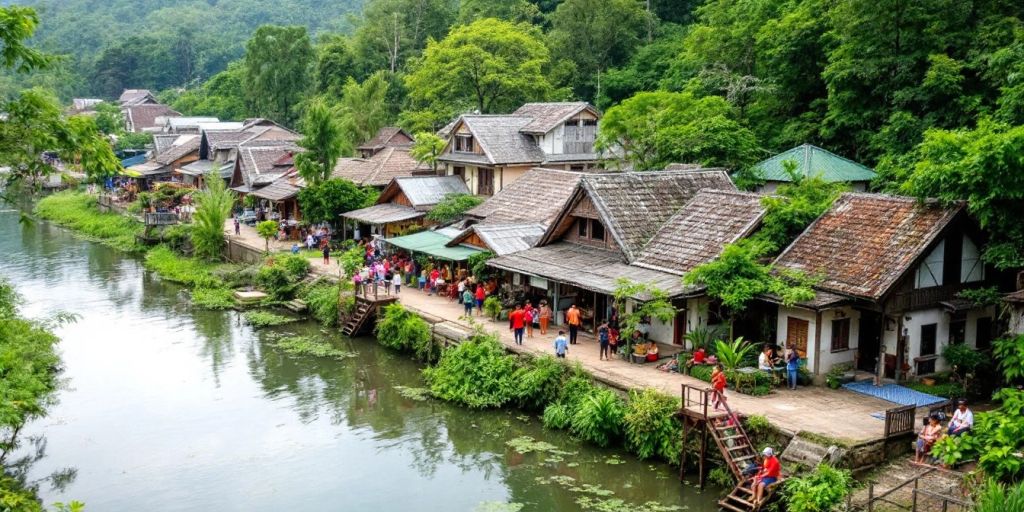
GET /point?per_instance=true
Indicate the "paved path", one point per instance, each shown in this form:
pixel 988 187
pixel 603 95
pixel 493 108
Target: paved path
pixel 838 414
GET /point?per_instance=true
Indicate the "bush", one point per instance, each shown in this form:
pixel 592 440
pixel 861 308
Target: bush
pixel 401 329
pixel 996 497
pixel 945 390
pixel 213 298
pixel 817 491
pixel 650 427
pixel 964 359
pixel 323 301
pixel 758 425
pixel 280 274
pixel 731 355
pixel 295 265
pixel 492 307
pixel 599 418
pixel 476 373
pixel 77 211
pixel 702 372
pixel 540 382
pixel 260 319
pixel 179 237
pixel 173 267
pixel 556 416
pixel 721 477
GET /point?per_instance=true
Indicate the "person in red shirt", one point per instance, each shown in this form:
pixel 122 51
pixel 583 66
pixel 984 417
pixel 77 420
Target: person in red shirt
pixel 434 274
pixel 480 296
pixel 698 358
pixel 718 383
pixel 769 474
pixel 517 323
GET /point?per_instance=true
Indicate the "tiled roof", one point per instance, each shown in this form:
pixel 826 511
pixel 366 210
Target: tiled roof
pixel 162 141
pixel 546 116
pixel 135 96
pixel 811 161
pixel 865 243
pixel 698 232
pixel 384 213
pixel 384 137
pixel 257 164
pixel 535 198
pixel 634 205
pixel 424 191
pixel 180 148
pixel 144 116
pixel 279 190
pixel 501 140
pixel 503 239
pixel 380 169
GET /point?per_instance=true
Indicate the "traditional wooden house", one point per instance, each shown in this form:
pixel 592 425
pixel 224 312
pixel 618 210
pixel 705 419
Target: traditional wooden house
pixel 259 166
pixel 137 97
pixel 404 203
pixel 387 137
pixel 491 152
pixel 182 125
pixel 813 161
pixel 146 117
pixel 218 147
pixel 647 228
pixel 379 169
pixel 889 270
pixel 499 239
pixel 536 198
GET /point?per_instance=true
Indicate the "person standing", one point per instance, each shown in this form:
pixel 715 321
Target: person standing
pixel 792 367
pixel 573 318
pixel 396 280
pixel 530 315
pixel 561 345
pixel 603 337
pixel 467 302
pixel 327 252
pixel 480 296
pixel 516 323
pixel 963 419
pixel 718 385
pixel 545 317
pixel 238 227
pixel 462 289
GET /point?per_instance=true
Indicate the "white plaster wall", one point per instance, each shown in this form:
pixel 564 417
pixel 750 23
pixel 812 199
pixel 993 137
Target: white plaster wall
pixel 971 336
pixel 782 326
pixel 557 145
pixel 913 330
pixel 828 357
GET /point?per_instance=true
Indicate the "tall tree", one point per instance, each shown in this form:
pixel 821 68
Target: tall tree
pixel 277 71
pixel 490 65
pixel 335 64
pixel 213 205
pixel 394 30
pixel 324 141
pixel 17 25
pixel 222 96
pixel 508 10
pixel 654 129
pixel 427 148
pixel 597 35
pixel 365 108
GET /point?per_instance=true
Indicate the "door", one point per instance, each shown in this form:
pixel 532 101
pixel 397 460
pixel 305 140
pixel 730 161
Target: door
pixel 796 335
pixel 679 327
pixel 929 335
pixel 983 341
pixel 869 341
pixel 485 181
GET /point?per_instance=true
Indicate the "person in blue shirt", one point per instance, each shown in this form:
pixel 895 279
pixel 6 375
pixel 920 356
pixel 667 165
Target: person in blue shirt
pixel 561 345
pixel 792 365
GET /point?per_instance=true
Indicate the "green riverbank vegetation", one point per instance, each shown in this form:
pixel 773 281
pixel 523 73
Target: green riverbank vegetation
pixel 78 211
pixel 30 367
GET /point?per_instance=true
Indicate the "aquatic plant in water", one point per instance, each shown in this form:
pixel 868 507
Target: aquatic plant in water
pixel 311 346
pixel 259 319
pixel 418 394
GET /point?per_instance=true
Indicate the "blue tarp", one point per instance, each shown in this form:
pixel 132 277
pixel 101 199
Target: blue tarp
pixel 135 160
pixel 894 393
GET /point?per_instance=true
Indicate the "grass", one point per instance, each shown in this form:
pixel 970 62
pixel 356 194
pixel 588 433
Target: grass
pixel 310 346
pixel 173 267
pixel 77 211
pixel 945 390
pixel 260 319
pixel 213 298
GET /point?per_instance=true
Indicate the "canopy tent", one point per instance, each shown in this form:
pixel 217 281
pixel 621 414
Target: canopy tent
pixel 433 244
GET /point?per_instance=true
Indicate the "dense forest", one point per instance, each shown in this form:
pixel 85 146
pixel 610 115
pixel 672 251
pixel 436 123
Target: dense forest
pixel 929 92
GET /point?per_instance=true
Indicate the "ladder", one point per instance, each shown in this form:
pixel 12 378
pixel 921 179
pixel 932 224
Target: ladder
pixel 356 321
pixel 738 451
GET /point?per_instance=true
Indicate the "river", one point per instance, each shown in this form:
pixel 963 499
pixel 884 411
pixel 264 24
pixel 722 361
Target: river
pixel 168 408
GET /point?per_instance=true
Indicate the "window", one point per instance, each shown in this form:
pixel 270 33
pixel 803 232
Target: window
pixel 840 334
pixel 581 227
pixel 957 332
pixel 485 181
pixel 930 272
pixel 983 341
pixel 596 230
pixel 464 143
pixel 459 171
pixel 929 333
pixel 971 267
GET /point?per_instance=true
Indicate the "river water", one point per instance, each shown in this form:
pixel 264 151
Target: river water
pixel 167 408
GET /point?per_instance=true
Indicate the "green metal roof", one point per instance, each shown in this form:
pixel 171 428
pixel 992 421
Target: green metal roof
pixel 432 243
pixel 814 161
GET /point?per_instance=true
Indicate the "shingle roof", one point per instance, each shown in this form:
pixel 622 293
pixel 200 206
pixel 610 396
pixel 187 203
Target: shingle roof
pixel 384 213
pixel 162 142
pixel 180 148
pixel 144 116
pixel 811 161
pixel 503 239
pixel 633 205
pixel 865 243
pixel 257 164
pixel 586 267
pixel 423 191
pixel 384 137
pixel 501 140
pixel 279 190
pixel 135 96
pixel 699 231
pixel 546 116
pixel 535 198
pixel 380 169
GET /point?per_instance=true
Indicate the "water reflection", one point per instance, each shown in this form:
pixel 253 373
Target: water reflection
pixel 173 408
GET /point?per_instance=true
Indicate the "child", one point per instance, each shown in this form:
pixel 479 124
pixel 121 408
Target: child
pixel 718 383
pixel 467 302
pixel 561 345
pixel 604 338
pixel 396 279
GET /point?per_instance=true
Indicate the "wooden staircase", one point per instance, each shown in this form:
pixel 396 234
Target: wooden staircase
pixel 357 320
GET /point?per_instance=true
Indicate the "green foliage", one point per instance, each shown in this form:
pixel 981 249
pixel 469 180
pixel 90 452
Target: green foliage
pixel 311 346
pixel 324 201
pixel 965 359
pixel 17 25
pixel 364 108
pixel 650 302
pixel 817 491
pixel 401 329
pixel 490 65
pixel 650 426
pixel 323 140
pixel 277 65
pixel 731 355
pixel 221 96
pixel 173 267
pixel 213 298
pixel 794 206
pixel 476 373
pixel 477 264
pixel 599 418
pixel 721 477
pixel 133 140
pixel 352 260
pixel 702 372
pixel 540 382
pixel 280 275
pixel 260 319
pixel 213 205
pixel 556 416
pixel 997 497
pixel 78 212
pixel 757 425
pixel 267 230
pixel 982 297
pixel 945 389
pixel 508 10
pixel 492 307
pixel 427 148
pixel 323 301
pixel 1009 351
pixel 452 207
pixel 658 128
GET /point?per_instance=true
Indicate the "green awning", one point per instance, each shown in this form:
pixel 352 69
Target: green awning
pixel 432 243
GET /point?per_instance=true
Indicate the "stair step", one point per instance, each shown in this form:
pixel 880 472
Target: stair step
pixel 739 447
pixel 740 500
pixel 726 505
pixel 745 457
pixel 738 436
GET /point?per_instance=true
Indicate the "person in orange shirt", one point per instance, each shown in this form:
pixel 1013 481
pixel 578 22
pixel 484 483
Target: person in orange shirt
pixel 517 323
pixel 718 384
pixel 572 317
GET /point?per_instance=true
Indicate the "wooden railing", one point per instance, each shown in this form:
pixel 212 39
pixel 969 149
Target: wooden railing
pixel 914 506
pixel 161 219
pixel 899 420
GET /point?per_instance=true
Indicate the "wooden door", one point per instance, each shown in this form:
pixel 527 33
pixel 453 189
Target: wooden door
pixel 796 335
pixel 485 181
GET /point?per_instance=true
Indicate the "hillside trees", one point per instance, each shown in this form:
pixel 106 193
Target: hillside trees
pixel 277 71
pixel 392 31
pixel 324 141
pixel 222 96
pixel 365 108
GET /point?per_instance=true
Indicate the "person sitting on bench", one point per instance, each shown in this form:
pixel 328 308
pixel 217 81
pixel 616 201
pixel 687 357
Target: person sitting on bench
pixel 768 475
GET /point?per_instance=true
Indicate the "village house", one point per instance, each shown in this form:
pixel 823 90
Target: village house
pixel 167 159
pixel 182 124
pixel 648 228
pixel 386 137
pixel 137 97
pixel 380 168
pixel 402 205
pixel 146 117
pixel 813 161
pixel 84 105
pixel 261 164
pixel 218 147
pixel 889 270
pixel 491 152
